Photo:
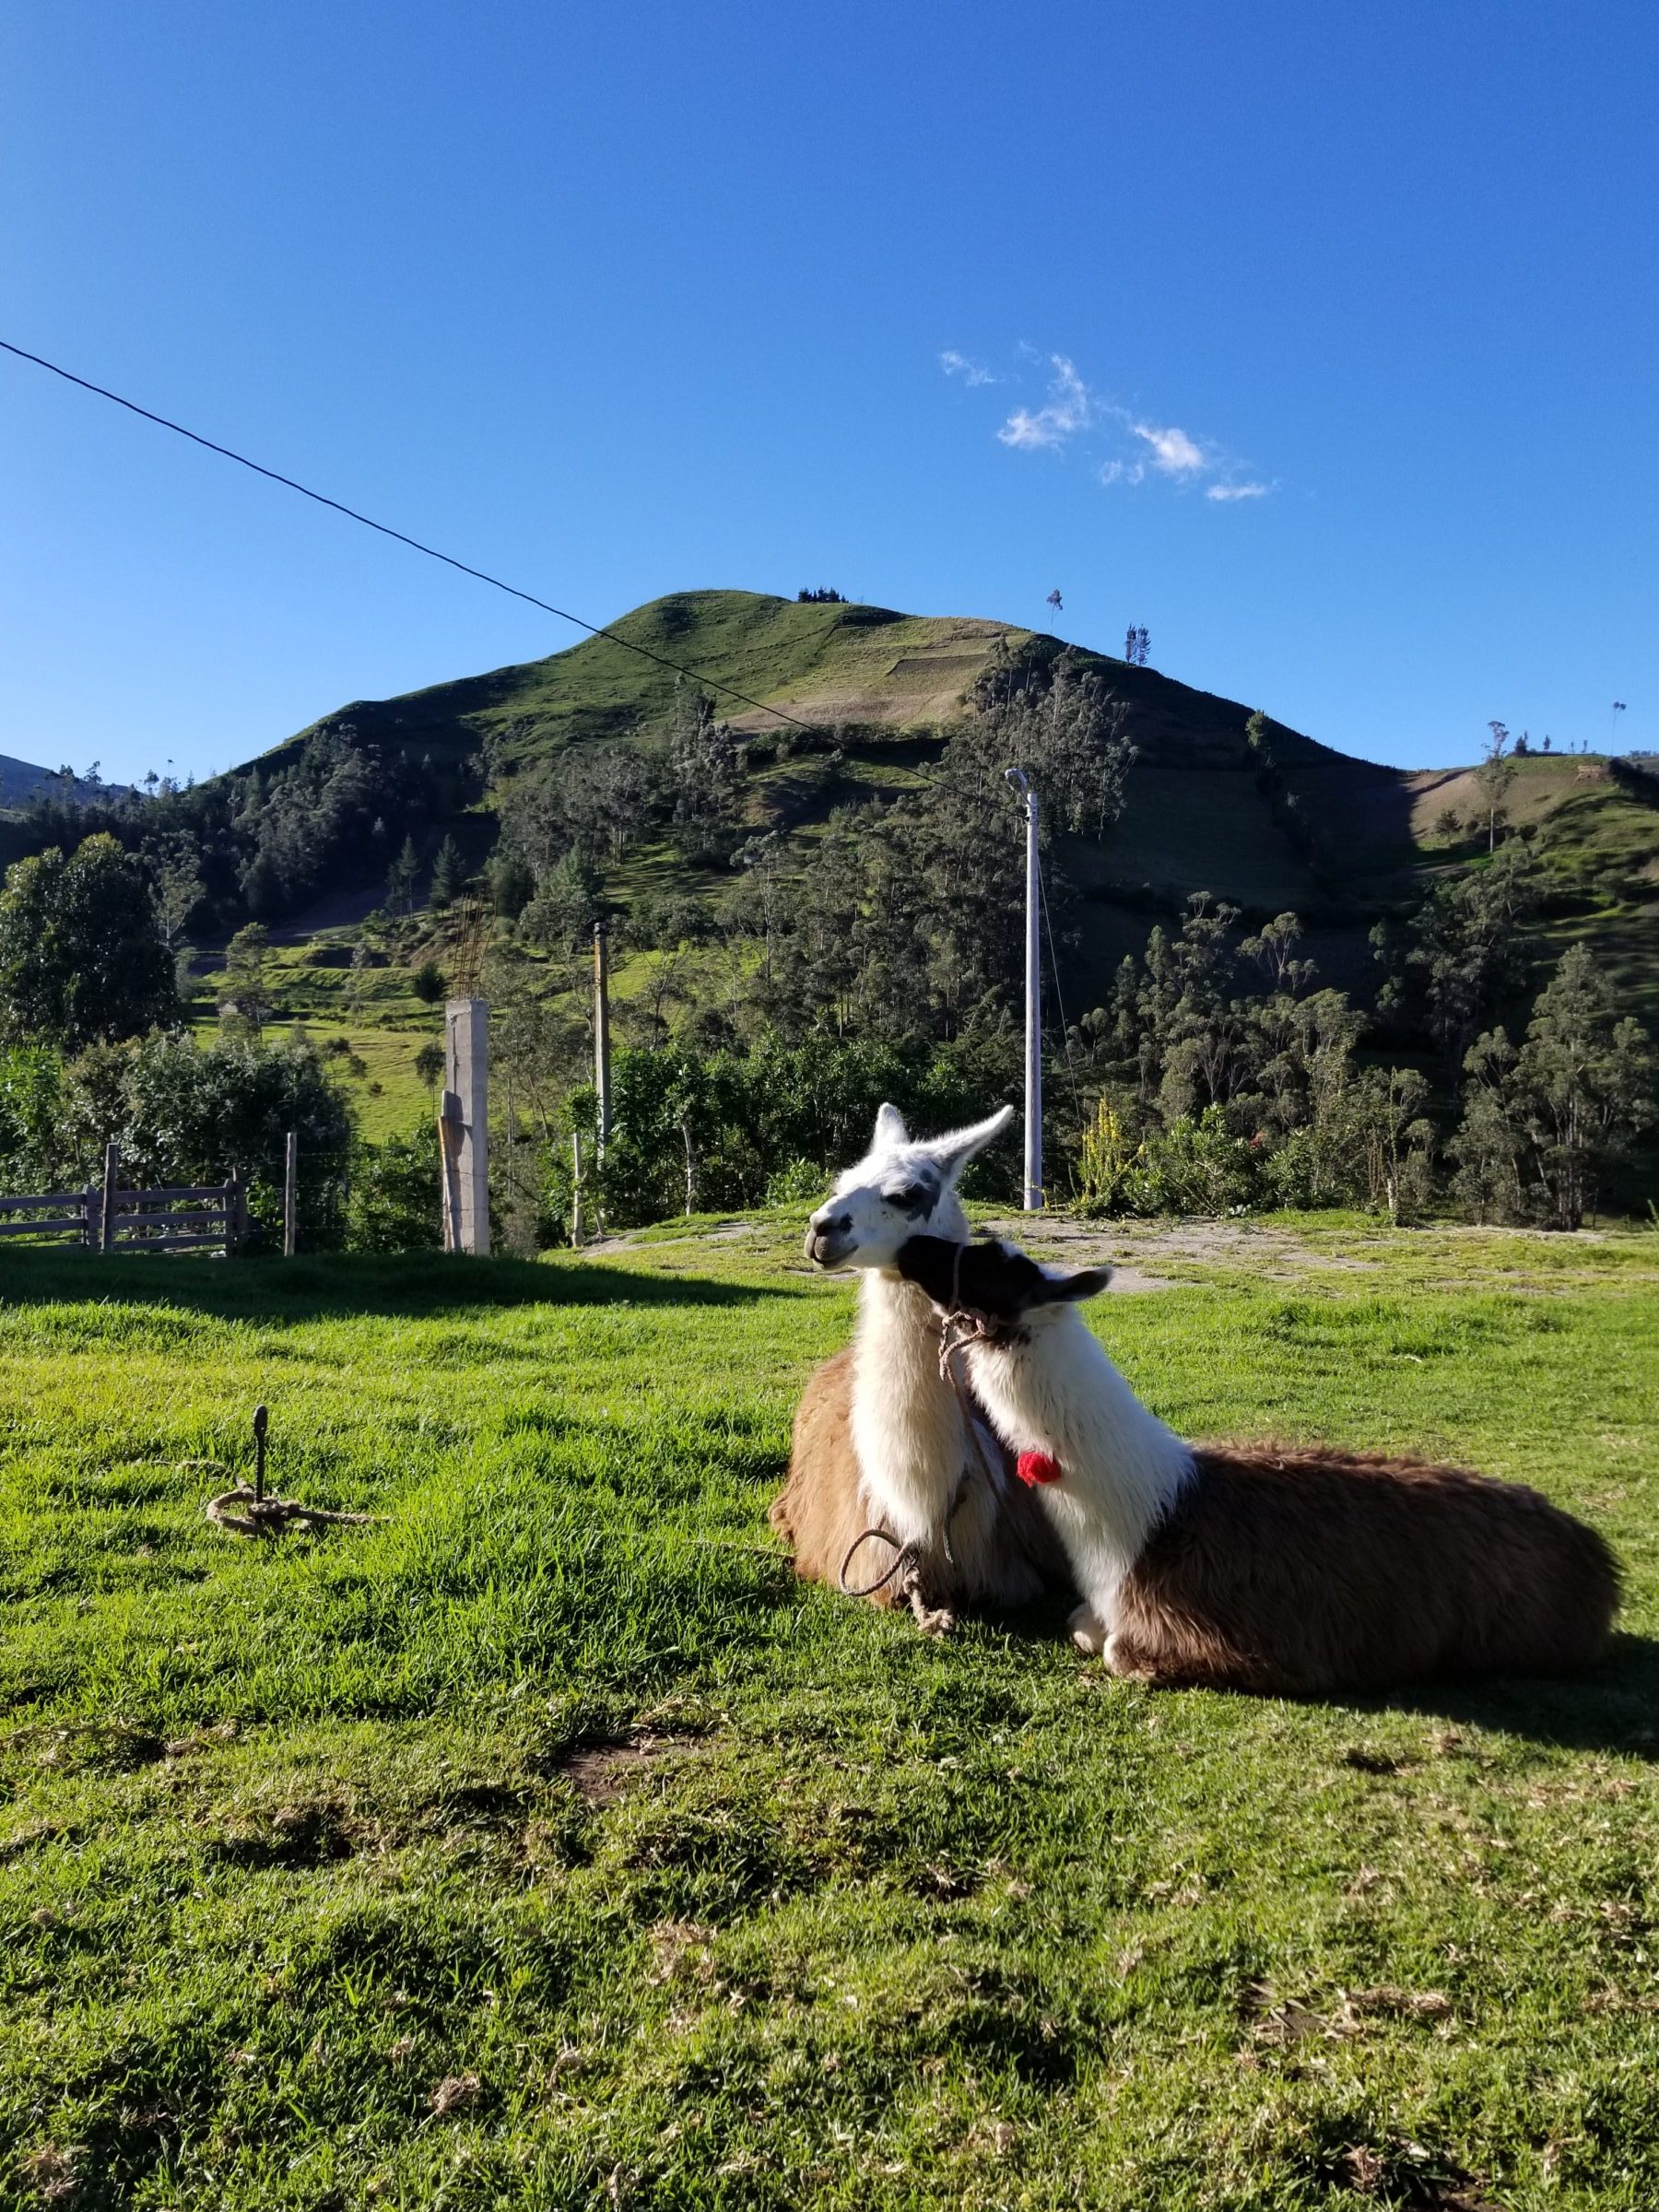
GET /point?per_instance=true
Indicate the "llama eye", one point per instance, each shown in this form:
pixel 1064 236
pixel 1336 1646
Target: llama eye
pixel 914 1198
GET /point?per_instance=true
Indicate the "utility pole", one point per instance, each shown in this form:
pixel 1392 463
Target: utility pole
pixel 1033 1001
pixel 602 1033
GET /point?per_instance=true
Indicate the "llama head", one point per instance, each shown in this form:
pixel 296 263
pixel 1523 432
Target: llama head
pixel 902 1187
pixel 996 1281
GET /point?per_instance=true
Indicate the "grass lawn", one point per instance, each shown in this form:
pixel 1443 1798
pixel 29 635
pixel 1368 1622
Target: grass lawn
pixel 544 1843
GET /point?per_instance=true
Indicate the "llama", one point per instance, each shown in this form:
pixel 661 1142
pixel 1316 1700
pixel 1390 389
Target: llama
pixel 883 1438
pixel 1250 1566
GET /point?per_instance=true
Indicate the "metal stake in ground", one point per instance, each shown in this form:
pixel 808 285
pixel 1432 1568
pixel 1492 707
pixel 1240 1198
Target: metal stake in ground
pixel 266 1516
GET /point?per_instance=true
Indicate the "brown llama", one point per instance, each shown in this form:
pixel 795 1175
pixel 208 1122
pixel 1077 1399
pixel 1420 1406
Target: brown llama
pixel 1260 1566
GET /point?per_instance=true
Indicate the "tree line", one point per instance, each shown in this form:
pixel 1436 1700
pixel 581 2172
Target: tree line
pixel 787 979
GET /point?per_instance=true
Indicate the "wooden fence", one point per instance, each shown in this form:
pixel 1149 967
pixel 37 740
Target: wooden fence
pixel 203 1216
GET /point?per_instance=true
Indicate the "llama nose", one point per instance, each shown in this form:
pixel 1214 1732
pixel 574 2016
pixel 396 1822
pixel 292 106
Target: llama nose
pixel 821 1231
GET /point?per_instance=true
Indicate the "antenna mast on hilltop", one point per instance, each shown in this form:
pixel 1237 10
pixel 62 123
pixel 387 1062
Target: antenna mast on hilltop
pixel 1033 1006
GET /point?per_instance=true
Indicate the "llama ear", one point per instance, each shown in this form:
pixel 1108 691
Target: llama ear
pixel 1067 1289
pixel 890 1128
pixel 954 1152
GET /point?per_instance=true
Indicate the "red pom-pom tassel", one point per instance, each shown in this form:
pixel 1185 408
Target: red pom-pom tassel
pixel 1037 1467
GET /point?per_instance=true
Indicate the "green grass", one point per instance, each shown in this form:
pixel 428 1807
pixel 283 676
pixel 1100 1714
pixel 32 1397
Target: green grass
pixel 697 1887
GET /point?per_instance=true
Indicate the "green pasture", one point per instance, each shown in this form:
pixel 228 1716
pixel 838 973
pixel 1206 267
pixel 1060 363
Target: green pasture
pixel 543 1844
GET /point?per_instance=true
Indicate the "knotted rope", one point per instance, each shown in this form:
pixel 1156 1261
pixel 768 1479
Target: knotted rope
pixel 265 1515
pixel 904 1555
pixel 268 1516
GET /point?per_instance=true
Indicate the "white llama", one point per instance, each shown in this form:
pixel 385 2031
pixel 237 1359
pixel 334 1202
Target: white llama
pixel 883 1440
pixel 1259 1567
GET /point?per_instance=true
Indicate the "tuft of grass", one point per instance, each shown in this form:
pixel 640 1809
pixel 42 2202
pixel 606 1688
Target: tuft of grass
pixel 543 1843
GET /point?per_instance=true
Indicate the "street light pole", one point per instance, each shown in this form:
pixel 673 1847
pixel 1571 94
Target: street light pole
pixel 1033 998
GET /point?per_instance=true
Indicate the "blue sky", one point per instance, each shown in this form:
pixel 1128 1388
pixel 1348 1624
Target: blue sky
pixel 943 306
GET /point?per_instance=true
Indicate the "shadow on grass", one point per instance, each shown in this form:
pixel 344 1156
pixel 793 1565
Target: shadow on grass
pixel 334 1286
pixel 1612 1707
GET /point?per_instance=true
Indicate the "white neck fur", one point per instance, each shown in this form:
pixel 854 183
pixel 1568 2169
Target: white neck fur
pixel 1120 1468
pixel 908 1428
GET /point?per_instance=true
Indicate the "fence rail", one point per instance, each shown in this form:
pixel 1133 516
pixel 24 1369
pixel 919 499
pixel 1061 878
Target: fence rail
pixel 181 1216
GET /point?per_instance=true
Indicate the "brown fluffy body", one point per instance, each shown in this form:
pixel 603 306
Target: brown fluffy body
pixel 1298 1572
pixel 820 1512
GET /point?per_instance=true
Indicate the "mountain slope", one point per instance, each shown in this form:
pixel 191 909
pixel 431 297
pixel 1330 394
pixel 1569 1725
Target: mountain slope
pixel 880 690
pixel 1337 840
pixel 21 781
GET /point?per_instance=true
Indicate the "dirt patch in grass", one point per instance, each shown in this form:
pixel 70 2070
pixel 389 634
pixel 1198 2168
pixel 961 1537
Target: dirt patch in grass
pixel 599 1772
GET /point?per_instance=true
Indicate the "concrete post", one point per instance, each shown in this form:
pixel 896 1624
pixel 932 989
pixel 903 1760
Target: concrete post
pixel 466 1050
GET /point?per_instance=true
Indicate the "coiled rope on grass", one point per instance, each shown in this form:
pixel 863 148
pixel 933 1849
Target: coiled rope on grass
pixel 263 1514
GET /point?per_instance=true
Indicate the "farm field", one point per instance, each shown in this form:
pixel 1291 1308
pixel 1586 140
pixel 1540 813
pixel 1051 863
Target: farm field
pixel 543 1843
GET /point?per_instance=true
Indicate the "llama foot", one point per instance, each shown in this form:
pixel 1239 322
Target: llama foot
pixel 1087 1632
pixel 1123 1660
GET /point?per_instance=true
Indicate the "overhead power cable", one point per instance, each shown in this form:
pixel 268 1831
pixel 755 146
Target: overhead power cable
pixel 353 514
pixel 594 629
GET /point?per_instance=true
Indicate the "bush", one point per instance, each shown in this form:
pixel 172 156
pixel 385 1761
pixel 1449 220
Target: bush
pixel 1109 1161
pixel 797 1183
pixel 38 1151
pixel 1194 1167
pixel 1290 1173
pixel 395 1203
pixel 745 1117
pixel 192 1116
pixel 428 982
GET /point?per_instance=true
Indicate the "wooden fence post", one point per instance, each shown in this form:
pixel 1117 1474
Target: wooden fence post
pixel 236 1213
pixel 290 1181
pixel 111 1183
pixel 466 1051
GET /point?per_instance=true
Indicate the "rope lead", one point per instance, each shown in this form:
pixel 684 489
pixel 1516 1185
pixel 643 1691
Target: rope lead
pixel 265 1515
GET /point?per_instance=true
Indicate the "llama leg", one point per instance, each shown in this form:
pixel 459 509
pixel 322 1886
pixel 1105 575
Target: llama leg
pixel 1088 1631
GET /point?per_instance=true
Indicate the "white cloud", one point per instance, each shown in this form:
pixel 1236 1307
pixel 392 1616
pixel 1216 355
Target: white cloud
pixel 1125 448
pixel 1172 451
pixel 971 371
pixel 1069 410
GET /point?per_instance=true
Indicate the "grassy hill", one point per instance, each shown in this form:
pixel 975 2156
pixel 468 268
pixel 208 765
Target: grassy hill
pixel 881 690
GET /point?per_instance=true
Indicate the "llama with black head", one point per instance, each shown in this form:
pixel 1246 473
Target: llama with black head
pixel 1253 1567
